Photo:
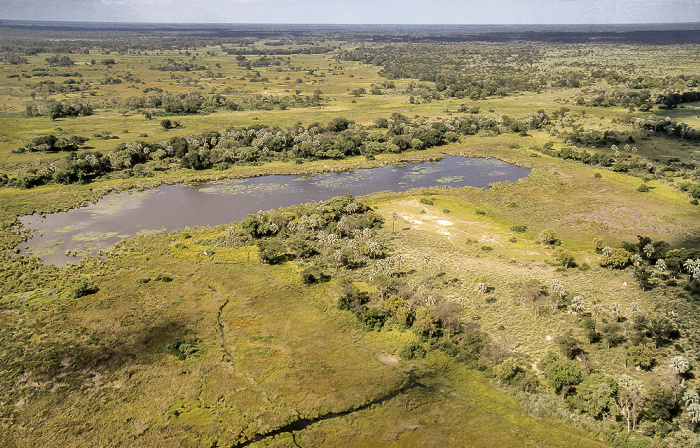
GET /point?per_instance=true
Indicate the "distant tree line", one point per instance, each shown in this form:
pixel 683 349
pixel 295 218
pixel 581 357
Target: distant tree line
pixel 338 139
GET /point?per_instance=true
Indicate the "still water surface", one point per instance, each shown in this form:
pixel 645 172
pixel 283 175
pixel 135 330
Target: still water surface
pixel 117 216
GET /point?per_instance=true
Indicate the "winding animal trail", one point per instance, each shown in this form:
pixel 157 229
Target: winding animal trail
pixel 221 331
pixel 303 423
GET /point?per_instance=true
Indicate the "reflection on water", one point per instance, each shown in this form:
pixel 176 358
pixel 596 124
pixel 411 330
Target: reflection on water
pixel 117 216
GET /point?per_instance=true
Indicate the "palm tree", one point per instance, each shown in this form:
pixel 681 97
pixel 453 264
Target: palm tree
pixel 615 310
pixel 338 257
pixel 681 366
pixel 636 309
pixel 558 287
pixel 578 304
pixel 374 249
pixel 557 294
pixel 399 259
pixel 694 414
pixel 691 397
pixel 693 268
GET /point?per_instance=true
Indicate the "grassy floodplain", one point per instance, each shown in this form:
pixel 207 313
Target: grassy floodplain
pixel 219 336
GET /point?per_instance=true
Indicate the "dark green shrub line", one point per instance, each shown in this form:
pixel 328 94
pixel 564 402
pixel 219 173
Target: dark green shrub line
pixel 340 138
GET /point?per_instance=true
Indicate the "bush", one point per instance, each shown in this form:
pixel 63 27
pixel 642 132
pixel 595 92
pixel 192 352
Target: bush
pixel 181 349
pixel 564 257
pixel 519 228
pixel 641 356
pixel 507 370
pixel 661 403
pixel 548 236
pixel 313 275
pixel 619 258
pixel 563 375
pixel 412 350
pixel 83 289
pixel 271 251
pixel 596 395
pixel 620 167
pixel 644 188
pixel 568 344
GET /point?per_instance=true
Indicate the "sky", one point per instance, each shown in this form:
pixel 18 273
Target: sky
pixel 357 11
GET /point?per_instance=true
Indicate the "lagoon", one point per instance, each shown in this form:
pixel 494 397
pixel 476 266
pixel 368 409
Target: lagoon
pixel 61 238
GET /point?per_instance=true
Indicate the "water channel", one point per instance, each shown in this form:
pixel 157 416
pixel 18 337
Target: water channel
pixel 117 216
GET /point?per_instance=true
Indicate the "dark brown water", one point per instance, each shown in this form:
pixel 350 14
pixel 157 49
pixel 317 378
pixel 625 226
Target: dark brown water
pixel 117 216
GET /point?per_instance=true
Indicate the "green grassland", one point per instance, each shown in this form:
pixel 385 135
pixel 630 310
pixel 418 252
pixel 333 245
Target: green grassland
pixel 186 343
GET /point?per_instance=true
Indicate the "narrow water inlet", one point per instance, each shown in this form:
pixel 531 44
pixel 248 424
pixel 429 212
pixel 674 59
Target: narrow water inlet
pixel 61 238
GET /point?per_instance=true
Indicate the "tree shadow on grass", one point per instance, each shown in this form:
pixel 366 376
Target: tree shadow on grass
pixel 78 359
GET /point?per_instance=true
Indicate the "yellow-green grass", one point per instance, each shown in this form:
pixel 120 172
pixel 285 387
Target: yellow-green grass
pixel 335 79
pixel 293 354
pixel 292 350
pixel 453 237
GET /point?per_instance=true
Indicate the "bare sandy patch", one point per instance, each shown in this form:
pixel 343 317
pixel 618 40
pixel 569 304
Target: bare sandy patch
pixel 388 360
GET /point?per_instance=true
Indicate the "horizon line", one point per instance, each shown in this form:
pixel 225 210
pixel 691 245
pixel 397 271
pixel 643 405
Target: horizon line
pixel 343 24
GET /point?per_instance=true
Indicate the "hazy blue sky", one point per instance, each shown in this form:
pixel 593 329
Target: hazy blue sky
pixel 357 11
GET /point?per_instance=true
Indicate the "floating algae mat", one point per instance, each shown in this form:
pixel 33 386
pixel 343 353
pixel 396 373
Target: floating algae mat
pixel 60 238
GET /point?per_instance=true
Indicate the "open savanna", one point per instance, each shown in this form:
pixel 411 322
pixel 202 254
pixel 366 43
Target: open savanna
pixel 269 350
pixel 184 342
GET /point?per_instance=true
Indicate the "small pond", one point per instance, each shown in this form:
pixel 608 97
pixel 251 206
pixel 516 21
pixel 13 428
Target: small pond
pixel 117 216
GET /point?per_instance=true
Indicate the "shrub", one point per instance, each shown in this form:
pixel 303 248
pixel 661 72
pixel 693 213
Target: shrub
pixel 568 344
pixel 548 236
pixel 644 188
pixel 618 259
pixel 563 375
pixel 83 289
pixel 661 403
pixel 507 370
pixel 596 395
pixel 564 257
pixel 641 356
pixel 313 275
pixel 181 349
pixel 412 350
pixel 271 251
pixel 519 228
